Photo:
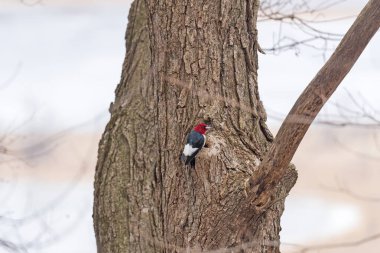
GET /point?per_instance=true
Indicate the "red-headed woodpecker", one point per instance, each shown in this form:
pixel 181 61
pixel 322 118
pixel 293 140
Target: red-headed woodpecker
pixel 195 142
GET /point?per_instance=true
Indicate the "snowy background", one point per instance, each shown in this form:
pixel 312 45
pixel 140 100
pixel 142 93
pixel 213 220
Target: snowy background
pixel 60 62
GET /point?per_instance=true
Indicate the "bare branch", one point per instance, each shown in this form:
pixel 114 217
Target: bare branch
pixel 9 246
pixel 304 17
pixel 338 245
pixel 352 194
pixel 353 113
pixel 290 135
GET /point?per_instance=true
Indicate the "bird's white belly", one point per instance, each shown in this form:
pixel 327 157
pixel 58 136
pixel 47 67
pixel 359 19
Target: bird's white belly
pixel 189 150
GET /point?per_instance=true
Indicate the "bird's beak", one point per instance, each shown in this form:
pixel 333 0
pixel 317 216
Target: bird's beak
pixel 208 127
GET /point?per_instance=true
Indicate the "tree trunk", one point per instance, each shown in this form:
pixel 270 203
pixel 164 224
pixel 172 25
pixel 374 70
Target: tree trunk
pixel 187 62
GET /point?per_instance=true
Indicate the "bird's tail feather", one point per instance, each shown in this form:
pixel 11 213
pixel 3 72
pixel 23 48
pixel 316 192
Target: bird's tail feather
pixel 183 158
pixel 188 160
pixel 192 163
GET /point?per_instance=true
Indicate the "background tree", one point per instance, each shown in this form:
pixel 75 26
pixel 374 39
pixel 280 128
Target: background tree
pixel 145 200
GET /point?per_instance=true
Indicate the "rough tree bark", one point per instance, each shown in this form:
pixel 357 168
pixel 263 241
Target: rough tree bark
pixel 186 62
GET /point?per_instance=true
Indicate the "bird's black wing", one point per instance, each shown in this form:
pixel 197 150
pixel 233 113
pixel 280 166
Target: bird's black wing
pixel 196 140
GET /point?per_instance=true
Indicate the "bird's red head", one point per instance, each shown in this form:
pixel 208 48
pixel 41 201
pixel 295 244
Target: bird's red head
pixel 201 128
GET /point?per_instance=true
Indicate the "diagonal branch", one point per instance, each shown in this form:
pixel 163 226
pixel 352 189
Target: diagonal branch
pixel 275 163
